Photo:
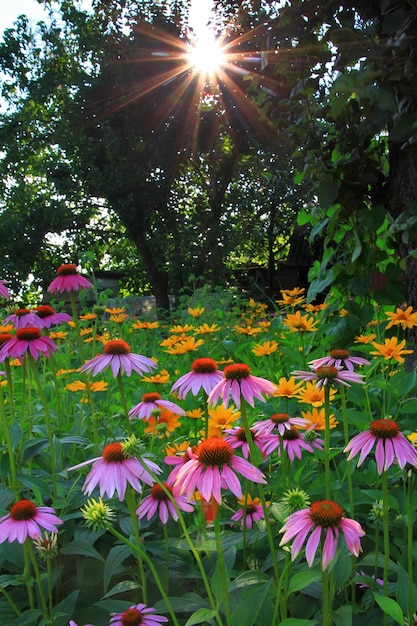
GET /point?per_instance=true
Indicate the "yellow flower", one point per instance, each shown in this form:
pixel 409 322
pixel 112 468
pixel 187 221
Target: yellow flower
pixel 88 317
pixel 391 349
pixel 118 318
pixel 195 413
pixel 221 417
pixel 116 310
pixel 316 417
pixel 176 448
pixel 196 312
pixel 247 330
pixel 365 338
pixel 316 308
pixel 313 395
pixel 287 388
pixel 62 372
pixel 300 323
pixel 267 347
pixel 248 501
pixel 413 438
pixel 181 329
pixel 148 325
pixel 187 345
pixel 58 334
pixel 405 318
pixel 85 331
pixel 292 297
pixel 71 323
pixel 160 378
pixel 164 424
pixel 7 328
pixel 205 329
pixel 78 385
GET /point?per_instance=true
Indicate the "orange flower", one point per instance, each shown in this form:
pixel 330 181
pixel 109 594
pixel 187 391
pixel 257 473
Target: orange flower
pixel 148 325
pixel 85 331
pixel 164 424
pixel 58 334
pixel 365 338
pixel 160 378
pixel 316 308
pixel 118 318
pixel 247 330
pixel 175 448
pixel 267 347
pixel 292 297
pixel 300 323
pixel 116 310
pixel 187 345
pixel 195 414
pixel 196 312
pixel 88 317
pixel 78 385
pixel 221 417
pixel 391 349
pixel 287 388
pixel 405 318
pixel 313 395
pixel 181 329
pixel 205 329
pixel 316 417
pixel 7 328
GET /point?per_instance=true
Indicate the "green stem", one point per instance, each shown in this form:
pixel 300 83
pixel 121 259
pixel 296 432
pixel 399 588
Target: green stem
pixel 9 443
pixel 124 402
pixel 35 565
pixel 385 521
pixel 410 486
pixel 131 505
pixel 27 573
pixel 10 601
pixel 222 568
pixel 326 598
pixel 327 480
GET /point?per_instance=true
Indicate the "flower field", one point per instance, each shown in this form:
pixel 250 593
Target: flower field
pixel 241 464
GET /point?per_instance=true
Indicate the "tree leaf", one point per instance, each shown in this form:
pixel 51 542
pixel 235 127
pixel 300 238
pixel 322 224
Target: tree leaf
pixel 390 607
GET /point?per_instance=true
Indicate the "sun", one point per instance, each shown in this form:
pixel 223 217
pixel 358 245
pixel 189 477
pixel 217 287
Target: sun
pixel 205 55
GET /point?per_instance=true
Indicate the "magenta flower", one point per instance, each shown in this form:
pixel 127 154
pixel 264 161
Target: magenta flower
pixel 68 279
pixel 238 382
pixel 22 318
pixel 26 519
pixel 47 316
pixel 324 517
pixel 204 375
pixel 114 470
pixel 177 461
pixel 72 623
pixel 4 292
pixel 27 340
pixel 250 513
pixel 237 438
pixel 278 423
pixel 339 358
pixel 118 357
pixel 158 500
pixel 328 374
pixel 212 467
pixel 137 615
pixel 152 402
pixel 390 443
pixel 293 443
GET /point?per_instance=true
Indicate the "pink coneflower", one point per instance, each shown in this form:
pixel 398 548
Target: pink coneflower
pixel 137 615
pixel 212 467
pixel 4 292
pixel 118 357
pixel 339 358
pixel 324 516
pixel 158 500
pixel 48 316
pixel 250 513
pixel 329 374
pixel 390 443
pixel 293 443
pixel 27 340
pixel 152 402
pixel 278 423
pixel 204 375
pixel 68 279
pixel 26 519
pixel 238 382
pixel 177 461
pixel 237 438
pixel 113 470
pixel 22 318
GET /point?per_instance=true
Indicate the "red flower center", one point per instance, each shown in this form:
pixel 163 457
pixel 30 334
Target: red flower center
pixel 250 509
pixel 22 312
pixel 44 310
pixel 116 346
pixel 113 453
pixel 327 371
pixel 132 617
pixel 214 451
pixel 28 334
pixel 67 269
pixel 384 429
pixel 204 366
pixel 151 397
pixel 326 513
pixel 340 354
pixel 23 510
pixel 236 371
pixel 5 337
pixel 240 434
pixel 291 434
pixel 279 418
pixel 159 494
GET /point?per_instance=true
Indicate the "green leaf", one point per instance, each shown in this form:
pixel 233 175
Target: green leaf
pixel 200 616
pixel 33 447
pixel 327 192
pixel 294 621
pixel 114 560
pixel 64 610
pixel 390 607
pixel 301 580
pixel 207 546
pixel 28 617
pixel 124 585
pixel 246 612
pixel 81 548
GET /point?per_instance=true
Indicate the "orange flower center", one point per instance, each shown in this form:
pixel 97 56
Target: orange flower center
pixel 44 310
pixel 151 397
pixel 279 418
pixel 384 429
pixel 28 334
pixel 113 453
pixel 339 354
pixel 214 451
pixel 23 510
pixel 132 617
pixel 21 312
pixel 204 366
pixel 326 513
pixel 116 346
pixel 67 269
pixel 236 371
pixel 291 434
pixel 159 494
pixel 327 371
pixel 5 337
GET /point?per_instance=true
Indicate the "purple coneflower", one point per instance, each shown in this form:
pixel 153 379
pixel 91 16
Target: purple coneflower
pixel 211 467
pixel 113 470
pixel 137 615
pixel 152 402
pixel 339 358
pixel 324 516
pixel 158 500
pixel 250 513
pixel 4 292
pixel 72 623
pixel 237 438
pixel 48 316
pixel 26 519
pixel 238 382
pixel 22 318
pixel 118 357
pixel 68 279
pixel 204 375
pixel 177 461
pixel 328 374
pixel 27 340
pixel 278 423
pixel 293 443
pixel 390 443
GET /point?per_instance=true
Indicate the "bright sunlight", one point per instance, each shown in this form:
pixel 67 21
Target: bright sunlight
pixel 206 55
